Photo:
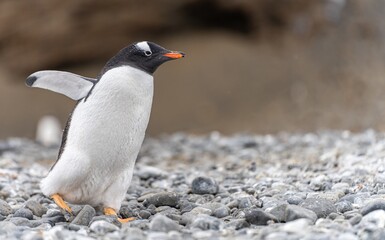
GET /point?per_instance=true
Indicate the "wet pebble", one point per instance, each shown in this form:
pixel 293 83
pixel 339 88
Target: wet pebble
pixel 327 185
pixel 204 185
pixel 85 216
pixel 162 199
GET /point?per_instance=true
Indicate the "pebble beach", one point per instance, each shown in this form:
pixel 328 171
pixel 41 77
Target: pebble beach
pixel 324 185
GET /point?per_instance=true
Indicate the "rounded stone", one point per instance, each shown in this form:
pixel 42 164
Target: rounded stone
pixel 374 219
pixel 205 222
pixel 204 185
pixel 162 199
pixel 103 227
pixel 36 208
pixel 161 223
pixel 259 217
pixel 373 205
pixel 5 209
pixel 343 206
pixel 321 206
pixel 221 212
pixel 24 213
pixel 144 214
pixel 85 216
pixel 294 212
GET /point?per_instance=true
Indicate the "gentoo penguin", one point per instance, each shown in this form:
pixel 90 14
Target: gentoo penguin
pixel 105 131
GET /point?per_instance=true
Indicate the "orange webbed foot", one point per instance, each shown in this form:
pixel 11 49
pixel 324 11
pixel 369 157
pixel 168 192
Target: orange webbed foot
pixel 60 202
pixel 111 211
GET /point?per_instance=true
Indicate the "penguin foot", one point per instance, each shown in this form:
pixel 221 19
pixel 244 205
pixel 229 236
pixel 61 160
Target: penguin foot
pixel 111 211
pixel 60 202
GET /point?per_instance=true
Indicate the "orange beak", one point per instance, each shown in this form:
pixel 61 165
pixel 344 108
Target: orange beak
pixel 174 55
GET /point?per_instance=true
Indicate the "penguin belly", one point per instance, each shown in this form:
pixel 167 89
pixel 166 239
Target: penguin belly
pixel 104 137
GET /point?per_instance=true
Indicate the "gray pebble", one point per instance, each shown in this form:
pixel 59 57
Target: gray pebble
pixel 5 209
pixel 355 219
pixel 107 218
pixel 296 226
pixel 373 205
pixel 85 216
pixel 103 227
pixel 35 207
pixel 162 223
pixel 7 228
pixel 221 212
pixel 319 183
pixel 133 233
pixel 20 221
pixel 204 185
pixel 357 197
pixel 279 212
pixel 201 210
pixel 33 235
pixel 146 172
pixel 373 219
pixel 162 199
pixel 127 212
pixel 321 206
pixel 144 214
pixel 333 216
pixel 51 220
pixel 269 202
pixel 186 206
pixel 246 202
pixel 143 224
pixel 205 222
pixel 232 204
pixel 52 213
pixel 294 212
pixel 343 206
pixel 24 213
pixel 259 217
pixel 341 186
pixel 237 224
pixel 295 200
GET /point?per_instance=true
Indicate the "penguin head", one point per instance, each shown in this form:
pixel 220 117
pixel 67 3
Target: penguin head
pixel 146 56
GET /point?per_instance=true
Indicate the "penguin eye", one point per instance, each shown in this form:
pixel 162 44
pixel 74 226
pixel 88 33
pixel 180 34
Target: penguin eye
pixel 147 53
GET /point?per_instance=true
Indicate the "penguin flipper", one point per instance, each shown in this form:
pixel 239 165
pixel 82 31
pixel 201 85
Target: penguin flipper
pixel 71 85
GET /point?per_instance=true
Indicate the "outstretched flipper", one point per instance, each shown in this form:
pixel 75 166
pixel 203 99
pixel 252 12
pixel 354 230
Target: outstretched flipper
pixel 72 85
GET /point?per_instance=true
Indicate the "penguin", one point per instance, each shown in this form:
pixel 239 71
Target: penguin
pixel 106 129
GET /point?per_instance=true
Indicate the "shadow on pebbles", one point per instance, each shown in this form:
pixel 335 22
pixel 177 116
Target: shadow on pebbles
pixel 327 185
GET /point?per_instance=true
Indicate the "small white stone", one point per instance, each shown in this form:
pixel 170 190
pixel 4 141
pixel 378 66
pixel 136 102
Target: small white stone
pixel 296 226
pixel 375 219
pixel 49 131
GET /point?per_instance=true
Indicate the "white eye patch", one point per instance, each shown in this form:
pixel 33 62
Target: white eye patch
pixel 144 47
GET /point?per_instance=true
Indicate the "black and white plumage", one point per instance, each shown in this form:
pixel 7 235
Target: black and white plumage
pixel 107 127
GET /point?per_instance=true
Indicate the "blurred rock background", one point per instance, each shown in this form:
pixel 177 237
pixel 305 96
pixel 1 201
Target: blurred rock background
pixel 262 66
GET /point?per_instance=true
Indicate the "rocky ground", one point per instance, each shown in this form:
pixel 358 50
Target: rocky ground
pixel 328 185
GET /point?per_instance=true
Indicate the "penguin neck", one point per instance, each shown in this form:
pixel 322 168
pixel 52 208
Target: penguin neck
pixel 127 80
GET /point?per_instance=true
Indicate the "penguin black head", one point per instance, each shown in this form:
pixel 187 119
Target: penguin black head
pixel 146 56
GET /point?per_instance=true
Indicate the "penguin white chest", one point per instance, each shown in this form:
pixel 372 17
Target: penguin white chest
pixel 113 119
